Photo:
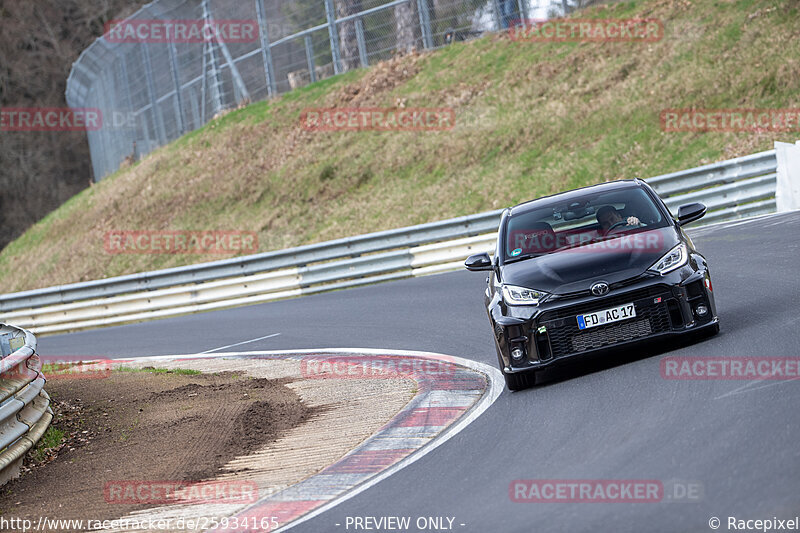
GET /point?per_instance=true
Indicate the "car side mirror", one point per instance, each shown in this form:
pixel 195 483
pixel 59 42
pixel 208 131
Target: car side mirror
pixel 478 262
pixel 690 212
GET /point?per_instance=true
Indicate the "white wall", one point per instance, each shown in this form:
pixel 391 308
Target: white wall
pixel 787 193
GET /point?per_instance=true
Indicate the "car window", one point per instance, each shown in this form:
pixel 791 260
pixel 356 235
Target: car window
pixel 556 224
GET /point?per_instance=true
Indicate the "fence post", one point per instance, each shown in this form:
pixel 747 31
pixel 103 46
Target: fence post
pixel 97 154
pixel 173 59
pixel 312 73
pixel 123 63
pixel 194 98
pixel 238 82
pixel 425 24
pixel 216 95
pixel 158 119
pixel 266 51
pixel 523 13
pixel 115 123
pixel 203 86
pixel 362 44
pixel 102 134
pixel 498 15
pixel 237 77
pixel 333 33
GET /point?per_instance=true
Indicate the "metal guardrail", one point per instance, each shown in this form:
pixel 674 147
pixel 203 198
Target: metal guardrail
pixel 744 186
pixel 731 189
pixel 25 410
pixel 252 264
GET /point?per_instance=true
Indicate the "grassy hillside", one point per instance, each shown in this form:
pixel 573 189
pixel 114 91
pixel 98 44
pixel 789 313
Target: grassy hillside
pixel 531 119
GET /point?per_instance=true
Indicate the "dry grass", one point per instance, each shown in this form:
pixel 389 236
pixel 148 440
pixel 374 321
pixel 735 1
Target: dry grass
pixel 531 119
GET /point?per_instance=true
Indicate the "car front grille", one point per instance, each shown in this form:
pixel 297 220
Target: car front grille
pixel 623 332
pixel 651 318
pixel 604 303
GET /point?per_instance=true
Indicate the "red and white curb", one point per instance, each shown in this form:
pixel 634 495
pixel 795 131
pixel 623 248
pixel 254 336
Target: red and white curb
pixel 451 393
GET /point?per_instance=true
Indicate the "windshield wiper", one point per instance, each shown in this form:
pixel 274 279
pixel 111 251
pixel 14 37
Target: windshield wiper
pixel 521 257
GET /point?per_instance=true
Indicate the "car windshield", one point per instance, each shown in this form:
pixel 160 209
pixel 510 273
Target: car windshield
pixel 556 224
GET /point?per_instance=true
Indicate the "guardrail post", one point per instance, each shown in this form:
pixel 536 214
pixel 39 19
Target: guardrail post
pixel 425 24
pixel 362 45
pixel 312 73
pixel 333 34
pixel 266 51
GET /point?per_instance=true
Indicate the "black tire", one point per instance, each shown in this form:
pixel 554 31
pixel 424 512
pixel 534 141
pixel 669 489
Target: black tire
pixel 520 380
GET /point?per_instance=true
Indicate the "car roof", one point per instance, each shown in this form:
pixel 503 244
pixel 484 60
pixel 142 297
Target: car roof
pixel 567 196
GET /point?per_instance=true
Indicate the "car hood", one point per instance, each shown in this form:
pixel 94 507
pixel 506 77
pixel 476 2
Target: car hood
pixel 576 269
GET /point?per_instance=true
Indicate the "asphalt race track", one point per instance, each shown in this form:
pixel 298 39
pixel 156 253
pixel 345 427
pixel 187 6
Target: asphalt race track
pixel 614 418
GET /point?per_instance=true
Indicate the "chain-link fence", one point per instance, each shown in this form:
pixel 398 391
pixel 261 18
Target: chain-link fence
pixel 175 64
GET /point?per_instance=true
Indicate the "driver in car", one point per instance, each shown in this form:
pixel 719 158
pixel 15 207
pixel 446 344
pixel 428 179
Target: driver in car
pixel 608 217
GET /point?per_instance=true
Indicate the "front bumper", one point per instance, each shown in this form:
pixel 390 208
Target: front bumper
pixel 665 306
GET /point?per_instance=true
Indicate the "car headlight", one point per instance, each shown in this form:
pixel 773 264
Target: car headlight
pixel 522 296
pixel 672 260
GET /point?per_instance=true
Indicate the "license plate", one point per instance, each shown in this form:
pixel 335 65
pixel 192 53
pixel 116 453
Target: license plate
pixel 606 316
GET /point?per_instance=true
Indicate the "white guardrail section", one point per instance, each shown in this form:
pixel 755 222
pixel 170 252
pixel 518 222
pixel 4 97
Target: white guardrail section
pixel 731 189
pixel 25 410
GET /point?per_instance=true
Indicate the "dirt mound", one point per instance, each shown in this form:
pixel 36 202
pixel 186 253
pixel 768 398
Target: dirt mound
pixel 379 79
pixel 142 426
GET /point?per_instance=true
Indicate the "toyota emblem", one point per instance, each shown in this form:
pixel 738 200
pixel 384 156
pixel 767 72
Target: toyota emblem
pixel 600 288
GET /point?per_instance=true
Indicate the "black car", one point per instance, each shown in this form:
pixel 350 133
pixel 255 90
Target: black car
pixel 591 270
